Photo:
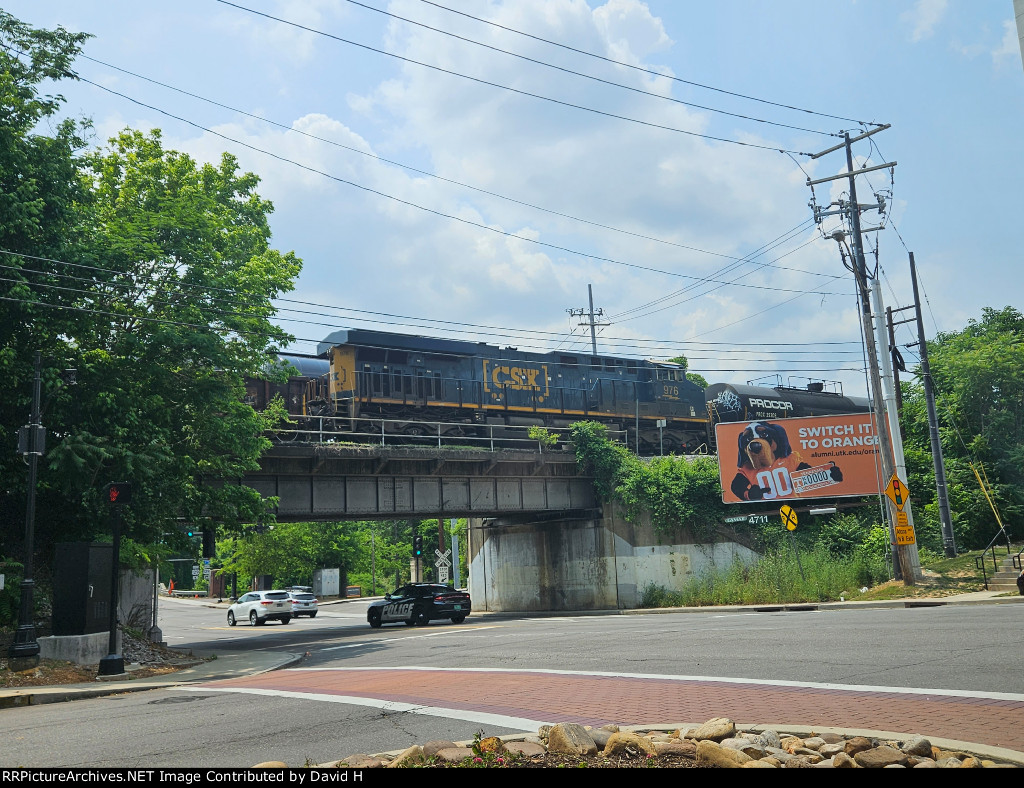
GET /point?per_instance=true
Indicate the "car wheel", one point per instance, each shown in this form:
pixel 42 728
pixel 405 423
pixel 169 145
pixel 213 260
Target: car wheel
pixel 254 619
pixel 458 619
pixel 420 619
pixel 312 615
pixel 409 622
pixel 286 620
pixel 231 619
pixel 374 619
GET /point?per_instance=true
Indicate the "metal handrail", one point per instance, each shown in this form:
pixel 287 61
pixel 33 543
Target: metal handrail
pixel 979 560
pixel 375 430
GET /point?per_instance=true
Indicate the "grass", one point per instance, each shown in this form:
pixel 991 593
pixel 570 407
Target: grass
pixel 778 578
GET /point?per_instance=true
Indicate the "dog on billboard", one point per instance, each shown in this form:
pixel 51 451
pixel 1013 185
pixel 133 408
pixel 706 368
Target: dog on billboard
pixel 763 449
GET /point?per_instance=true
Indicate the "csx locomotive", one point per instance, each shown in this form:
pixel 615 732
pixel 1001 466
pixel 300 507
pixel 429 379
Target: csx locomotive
pixel 418 385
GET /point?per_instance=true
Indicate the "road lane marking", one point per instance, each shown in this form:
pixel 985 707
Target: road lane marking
pixel 408 637
pixel 953 693
pixel 483 718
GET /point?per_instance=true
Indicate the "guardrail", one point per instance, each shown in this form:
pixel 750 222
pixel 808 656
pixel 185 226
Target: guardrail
pixel 383 432
pixel 193 594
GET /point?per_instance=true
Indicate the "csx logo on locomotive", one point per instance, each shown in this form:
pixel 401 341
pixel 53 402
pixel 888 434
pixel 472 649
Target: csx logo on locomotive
pixel 518 378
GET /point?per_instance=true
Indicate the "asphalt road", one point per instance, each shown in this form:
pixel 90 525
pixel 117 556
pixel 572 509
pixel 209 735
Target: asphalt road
pixel 313 715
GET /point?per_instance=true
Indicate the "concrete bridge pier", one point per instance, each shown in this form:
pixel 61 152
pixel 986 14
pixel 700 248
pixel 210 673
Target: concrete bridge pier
pixel 587 560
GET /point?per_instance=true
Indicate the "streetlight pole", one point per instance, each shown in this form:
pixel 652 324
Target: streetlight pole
pixel 25 649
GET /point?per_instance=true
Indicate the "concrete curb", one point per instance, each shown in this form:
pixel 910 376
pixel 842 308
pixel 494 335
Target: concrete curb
pixel 17 697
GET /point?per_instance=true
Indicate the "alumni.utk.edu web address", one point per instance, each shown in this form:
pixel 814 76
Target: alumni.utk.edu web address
pixel 819 455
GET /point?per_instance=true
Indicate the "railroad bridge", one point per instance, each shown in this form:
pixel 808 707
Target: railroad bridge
pixel 361 482
pixel 539 539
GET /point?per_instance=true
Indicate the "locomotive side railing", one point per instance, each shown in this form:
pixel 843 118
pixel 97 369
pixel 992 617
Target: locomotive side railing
pixel 440 434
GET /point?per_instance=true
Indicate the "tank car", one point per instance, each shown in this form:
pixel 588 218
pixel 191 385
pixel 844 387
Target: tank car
pixel 730 402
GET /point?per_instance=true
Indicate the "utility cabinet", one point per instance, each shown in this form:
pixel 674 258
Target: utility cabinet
pixel 81 588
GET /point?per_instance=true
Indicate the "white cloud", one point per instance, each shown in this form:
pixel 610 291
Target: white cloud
pixel 1009 46
pixel 924 17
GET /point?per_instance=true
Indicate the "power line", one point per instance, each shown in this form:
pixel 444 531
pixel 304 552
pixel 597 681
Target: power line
pixel 630 343
pixel 291 129
pixel 243 333
pixel 411 204
pixel 511 89
pixel 588 76
pixel 646 70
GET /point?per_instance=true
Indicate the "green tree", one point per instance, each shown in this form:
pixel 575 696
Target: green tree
pixel 677 492
pixel 980 405
pixel 39 192
pixel 291 552
pixel 693 377
pixel 179 289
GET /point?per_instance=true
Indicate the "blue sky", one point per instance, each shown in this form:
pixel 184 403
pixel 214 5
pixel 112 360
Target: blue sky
pixel 658 215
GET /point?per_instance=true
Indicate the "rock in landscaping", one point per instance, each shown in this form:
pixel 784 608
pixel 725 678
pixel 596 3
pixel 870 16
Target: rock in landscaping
pixel 714 730
pixel 570 738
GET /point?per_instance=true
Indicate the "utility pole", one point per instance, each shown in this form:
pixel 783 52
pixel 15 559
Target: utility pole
pixel 24 652
pixel 852 211
pixel 888 386
pixel 591 321
pixel 942 493
pixel 897 362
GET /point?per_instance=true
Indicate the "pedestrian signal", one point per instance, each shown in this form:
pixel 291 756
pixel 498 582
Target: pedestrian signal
pixel 118 492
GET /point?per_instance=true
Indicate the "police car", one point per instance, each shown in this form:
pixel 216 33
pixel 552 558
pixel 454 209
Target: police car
pixel 418 604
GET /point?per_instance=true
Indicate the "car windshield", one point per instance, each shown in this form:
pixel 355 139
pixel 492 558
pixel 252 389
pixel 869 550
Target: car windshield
pixel 277 595
pixel 302 596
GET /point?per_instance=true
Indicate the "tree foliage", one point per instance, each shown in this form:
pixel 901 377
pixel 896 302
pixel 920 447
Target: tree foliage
pixel 153 276
pixel 977 376
pixel 677 492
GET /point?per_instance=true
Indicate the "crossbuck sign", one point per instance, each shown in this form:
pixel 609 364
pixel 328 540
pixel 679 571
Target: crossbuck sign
pixel 442 563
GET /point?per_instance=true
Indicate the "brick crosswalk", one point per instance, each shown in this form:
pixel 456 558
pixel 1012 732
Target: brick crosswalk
pixel 631 700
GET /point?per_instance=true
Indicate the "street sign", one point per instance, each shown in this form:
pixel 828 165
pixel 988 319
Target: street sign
pixel 788 517
pixel 897 492
pixel 195 571
pixel 442 558
pixel 904 530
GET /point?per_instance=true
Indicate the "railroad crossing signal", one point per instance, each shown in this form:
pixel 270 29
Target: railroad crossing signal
pixel 897 492
pixel 788 515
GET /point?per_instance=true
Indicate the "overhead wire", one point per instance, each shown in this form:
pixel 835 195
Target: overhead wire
pixel 646 70
pixel 450 34
pixel 409 203
pixel 510 89
pixel 243 333
pixel 290 128
pixel 631 343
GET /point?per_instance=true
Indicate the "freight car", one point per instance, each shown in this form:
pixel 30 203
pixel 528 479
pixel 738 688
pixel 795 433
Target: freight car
pixel 415 386
pixel 728 402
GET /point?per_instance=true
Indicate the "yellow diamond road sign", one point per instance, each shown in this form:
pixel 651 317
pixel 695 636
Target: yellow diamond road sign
pixel 897 492
pixel 788 517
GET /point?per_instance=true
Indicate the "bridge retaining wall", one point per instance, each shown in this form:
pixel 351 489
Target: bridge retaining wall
pixel 597 563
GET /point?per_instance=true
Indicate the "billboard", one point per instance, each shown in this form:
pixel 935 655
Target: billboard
pixel 787 459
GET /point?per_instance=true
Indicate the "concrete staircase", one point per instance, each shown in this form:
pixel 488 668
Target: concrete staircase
pixel 1005 579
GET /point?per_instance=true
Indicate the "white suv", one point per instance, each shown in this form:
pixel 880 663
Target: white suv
pixel 260 607
pixel 303 602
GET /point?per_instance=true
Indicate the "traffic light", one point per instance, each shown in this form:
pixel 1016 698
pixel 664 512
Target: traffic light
pixel 417 546
pixel 209 543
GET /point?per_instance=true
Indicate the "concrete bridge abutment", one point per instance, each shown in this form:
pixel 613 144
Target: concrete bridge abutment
pixel 592 560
